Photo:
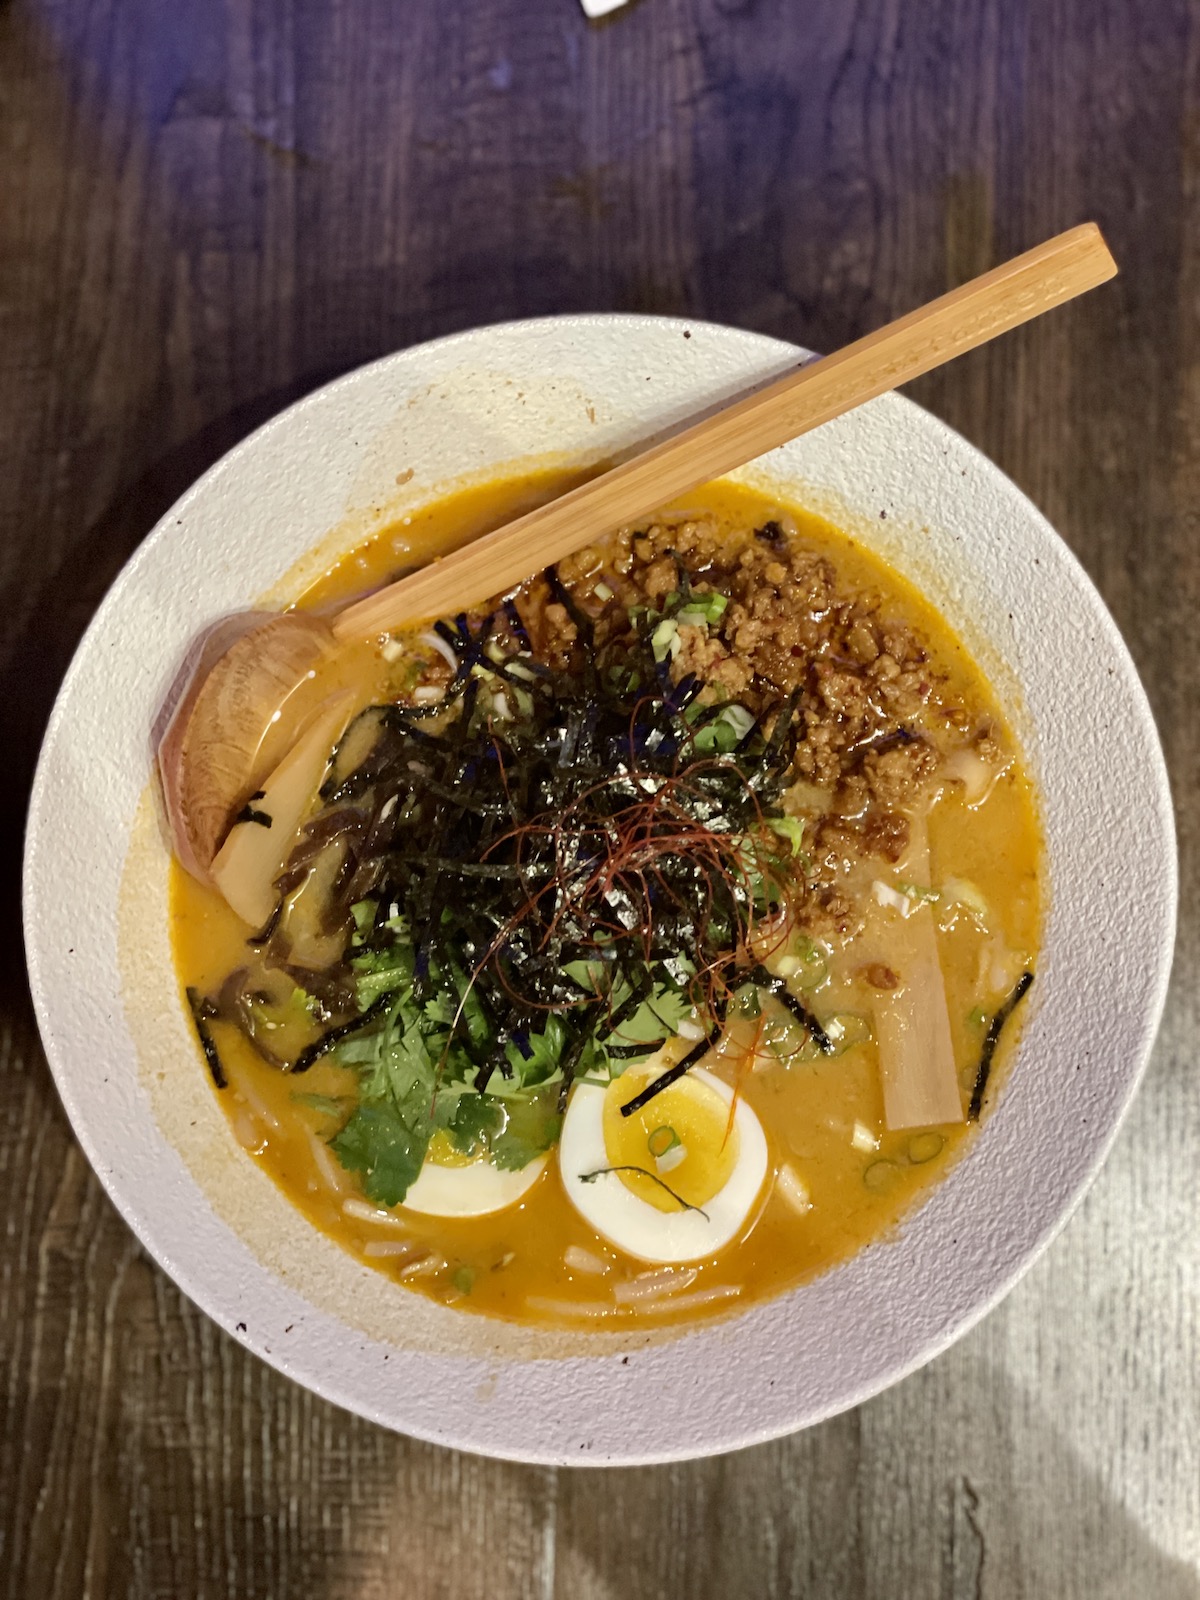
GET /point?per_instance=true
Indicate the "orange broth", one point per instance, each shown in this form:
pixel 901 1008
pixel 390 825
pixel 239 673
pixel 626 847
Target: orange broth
pixel 823 1117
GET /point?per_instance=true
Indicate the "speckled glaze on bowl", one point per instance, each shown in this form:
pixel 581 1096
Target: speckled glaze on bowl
pixel 311 484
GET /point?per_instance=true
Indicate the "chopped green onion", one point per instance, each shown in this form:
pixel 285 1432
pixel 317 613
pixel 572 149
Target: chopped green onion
pixel 726 730
pixel 789 828
pixel 879 1175
pixel 845 1030
pixel 702 609
pixel 904 897
pixel 813 961
pixel 791 1044
pixel 602 591
pixel 924 1146
pixel 665 640
pixel 885 895
pixel 663 1138
pixel 463 1279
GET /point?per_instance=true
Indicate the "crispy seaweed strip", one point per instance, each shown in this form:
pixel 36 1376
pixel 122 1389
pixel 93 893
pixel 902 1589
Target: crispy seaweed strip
pixel 249 814
pixel 590 1177
pixel 777 987
pixel 514 621
pixel 334 1036
pixel 672 1074
pixel 641 990
pixel 568 602
pixel 783 724
pixel 992 1039
pixel 630 1052
pixel 202 1013
pixel 569 1062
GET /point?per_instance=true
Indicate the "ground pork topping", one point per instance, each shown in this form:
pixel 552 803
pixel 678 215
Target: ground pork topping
pixel 764 621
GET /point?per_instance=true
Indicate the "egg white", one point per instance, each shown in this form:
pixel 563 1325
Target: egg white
pixel 641 1230
pixel 474 1190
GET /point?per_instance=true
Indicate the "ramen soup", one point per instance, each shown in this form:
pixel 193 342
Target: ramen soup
pixel 635 946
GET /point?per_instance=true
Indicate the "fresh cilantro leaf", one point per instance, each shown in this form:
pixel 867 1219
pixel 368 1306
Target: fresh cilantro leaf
pixel 406 1070
pixel 441 1008
pixel 478 1030
pixel 327 1104
pixel 538 1063
pixel 379 972
pixel 476 1122
pixel 533 1126
pixel 455 1005
pixel 657 1018
pixel 360 1050
pixel 385 1147
pixel 591 976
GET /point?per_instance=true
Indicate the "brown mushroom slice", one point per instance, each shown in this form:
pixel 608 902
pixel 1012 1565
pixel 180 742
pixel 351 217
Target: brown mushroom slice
pixel 256 851
pixel 304 930
pixel 218 744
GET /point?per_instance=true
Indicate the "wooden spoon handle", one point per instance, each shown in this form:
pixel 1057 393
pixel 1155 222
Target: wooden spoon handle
pixel 1023 288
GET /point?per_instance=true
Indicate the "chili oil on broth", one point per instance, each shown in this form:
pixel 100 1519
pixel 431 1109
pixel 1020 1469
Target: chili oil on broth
pixel 823 1117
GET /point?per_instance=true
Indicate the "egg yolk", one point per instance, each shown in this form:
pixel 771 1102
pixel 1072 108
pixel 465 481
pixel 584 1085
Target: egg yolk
pixel 675 1148
pixel 442 1153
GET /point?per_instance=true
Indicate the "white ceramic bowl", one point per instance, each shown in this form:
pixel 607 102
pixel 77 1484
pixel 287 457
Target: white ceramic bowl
pixel 319 477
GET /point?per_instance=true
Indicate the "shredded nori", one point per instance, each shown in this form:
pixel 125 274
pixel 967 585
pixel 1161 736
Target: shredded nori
pixel 553 816
pixel 991 1040
pixel 203 1011
pixel 590 1177
pixel 333 1036
pixel 249 814
pixel 667 1078
pixel 769 980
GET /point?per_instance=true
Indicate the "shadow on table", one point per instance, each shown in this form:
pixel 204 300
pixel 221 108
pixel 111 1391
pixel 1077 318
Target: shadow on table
pixel 868 1506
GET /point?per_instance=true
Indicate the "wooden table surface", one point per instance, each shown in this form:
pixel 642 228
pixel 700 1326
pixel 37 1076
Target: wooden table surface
pixel 208 207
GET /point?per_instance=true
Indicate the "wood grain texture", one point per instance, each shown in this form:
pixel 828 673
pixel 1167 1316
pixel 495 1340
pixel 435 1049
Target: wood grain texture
pixel 204 210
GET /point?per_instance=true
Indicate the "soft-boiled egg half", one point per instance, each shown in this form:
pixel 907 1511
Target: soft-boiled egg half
pixel 674 1181
pixel 451 1184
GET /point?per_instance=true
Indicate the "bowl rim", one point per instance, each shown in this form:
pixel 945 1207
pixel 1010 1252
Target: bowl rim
pixel 329 1387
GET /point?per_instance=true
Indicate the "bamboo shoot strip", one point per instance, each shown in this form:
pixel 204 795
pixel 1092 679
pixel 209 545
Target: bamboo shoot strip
pixel 912 1022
